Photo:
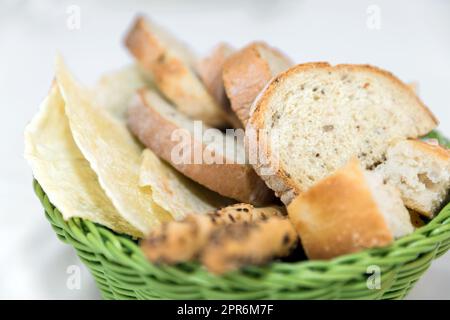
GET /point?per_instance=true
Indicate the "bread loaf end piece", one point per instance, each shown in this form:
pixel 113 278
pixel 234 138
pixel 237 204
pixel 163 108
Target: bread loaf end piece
pixel 421 171
pixel 349 211
pixel 248 71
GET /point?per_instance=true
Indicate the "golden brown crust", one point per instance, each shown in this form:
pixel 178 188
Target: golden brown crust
pixel 143 44
pixel 439 151
pixel 173 73
pixel 245 74
pixel 179 241
pixel 281 182
pixel 233 180
pixel 209 70
pixel 339 215
pixel 237 245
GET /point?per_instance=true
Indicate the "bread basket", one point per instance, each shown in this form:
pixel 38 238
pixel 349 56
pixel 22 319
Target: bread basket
pixel 122 272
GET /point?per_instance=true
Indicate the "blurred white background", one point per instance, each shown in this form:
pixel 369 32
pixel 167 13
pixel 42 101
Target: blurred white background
pixel 409 38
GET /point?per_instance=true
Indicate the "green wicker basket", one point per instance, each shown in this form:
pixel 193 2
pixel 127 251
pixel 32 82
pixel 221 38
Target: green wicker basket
pixel 122 272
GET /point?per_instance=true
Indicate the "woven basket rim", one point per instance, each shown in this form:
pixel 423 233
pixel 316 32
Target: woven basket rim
pixel 123 247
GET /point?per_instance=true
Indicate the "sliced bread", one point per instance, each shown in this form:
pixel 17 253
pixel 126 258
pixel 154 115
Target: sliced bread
pixel 209 70
pixel 348 211
pixel 313 118
pixel 246 72
pixel 205 155
pixel 172 65
pixel 421 171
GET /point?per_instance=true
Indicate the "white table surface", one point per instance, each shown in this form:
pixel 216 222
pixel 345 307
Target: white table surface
pixel 412 41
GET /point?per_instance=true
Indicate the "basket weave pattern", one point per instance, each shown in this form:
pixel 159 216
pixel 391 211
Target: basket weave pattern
pixel 122 272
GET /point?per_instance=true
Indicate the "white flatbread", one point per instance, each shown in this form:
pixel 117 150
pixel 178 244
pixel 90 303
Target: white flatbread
pixel 63 172
pixel 112 152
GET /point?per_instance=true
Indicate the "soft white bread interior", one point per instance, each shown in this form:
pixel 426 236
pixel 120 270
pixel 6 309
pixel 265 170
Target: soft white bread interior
pixel 315 117
pixel 246 72
pixel 172 64
pixel 348 211
pixel 209 70
pixel 204 154
pixel 421 171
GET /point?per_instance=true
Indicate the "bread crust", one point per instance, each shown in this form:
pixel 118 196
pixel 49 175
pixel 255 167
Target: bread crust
pixel 281 182
pixel 180 241
pixel 437 150
pixel 339 215
pixel 173 74
pixel 233 180
pixel 241 244
pixel 246 73
pixel 210 70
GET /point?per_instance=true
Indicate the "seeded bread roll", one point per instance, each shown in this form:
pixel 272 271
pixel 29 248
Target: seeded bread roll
pixel 208 157
pixel 421 171
pixel 313 118
pixel 172 66
pixel 179 241
pixel 237 245
pixel 349 211
pixel 246 72
pixel 209 70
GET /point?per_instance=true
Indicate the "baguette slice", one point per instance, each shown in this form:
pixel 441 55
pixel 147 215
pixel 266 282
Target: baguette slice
pixel 209 70
pixel 172 65
pixel 348 211
pixel 313 118
pixel 205 155
pixel 247 72
pixel 421 171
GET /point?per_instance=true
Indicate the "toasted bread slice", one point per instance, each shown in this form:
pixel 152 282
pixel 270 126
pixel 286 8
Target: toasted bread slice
pixel 209 70
pixel 421 171
pixel 348 211
pixel 172 65
pixel 205 155
pixel 313 118
pixel 247 72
